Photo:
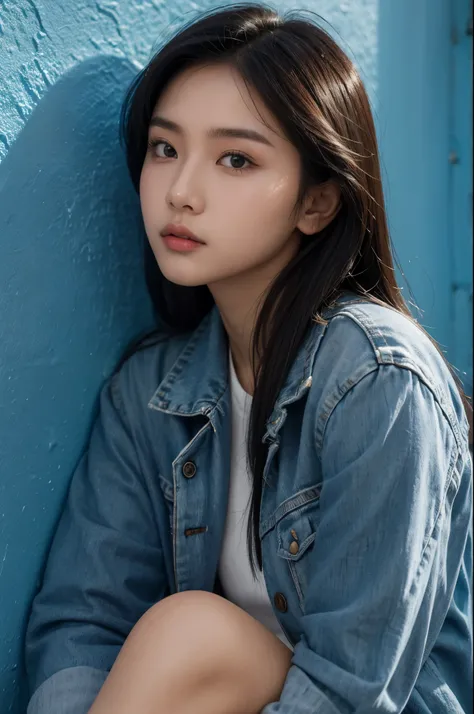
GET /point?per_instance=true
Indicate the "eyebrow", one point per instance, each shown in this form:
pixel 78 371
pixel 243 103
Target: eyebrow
pixel 215 133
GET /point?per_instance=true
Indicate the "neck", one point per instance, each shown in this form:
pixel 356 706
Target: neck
pixel 239 300
pixel 239 307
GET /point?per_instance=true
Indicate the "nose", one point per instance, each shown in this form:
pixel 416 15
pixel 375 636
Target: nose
pixel 184 191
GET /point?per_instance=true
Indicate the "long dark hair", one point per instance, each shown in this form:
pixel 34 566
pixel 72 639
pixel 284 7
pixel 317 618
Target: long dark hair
pixel 314 91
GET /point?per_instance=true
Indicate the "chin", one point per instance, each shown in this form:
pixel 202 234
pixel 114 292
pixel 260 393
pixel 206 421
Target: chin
pixel 187 283
pixel 179 278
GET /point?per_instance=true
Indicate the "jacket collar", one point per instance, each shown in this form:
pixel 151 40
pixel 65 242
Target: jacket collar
pixel 198 379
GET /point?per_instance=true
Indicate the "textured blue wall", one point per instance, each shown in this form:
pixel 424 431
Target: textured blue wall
pixel 72 292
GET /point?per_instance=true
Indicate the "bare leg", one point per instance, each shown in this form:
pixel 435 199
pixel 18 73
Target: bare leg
pixel 195 653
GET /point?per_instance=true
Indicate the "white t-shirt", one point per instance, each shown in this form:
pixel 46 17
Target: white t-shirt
pixel 234 568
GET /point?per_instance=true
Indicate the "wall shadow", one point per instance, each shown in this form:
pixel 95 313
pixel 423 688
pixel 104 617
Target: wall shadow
pixel 72 295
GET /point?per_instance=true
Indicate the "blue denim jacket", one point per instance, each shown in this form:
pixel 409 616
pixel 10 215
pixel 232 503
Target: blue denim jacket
pixel 368 461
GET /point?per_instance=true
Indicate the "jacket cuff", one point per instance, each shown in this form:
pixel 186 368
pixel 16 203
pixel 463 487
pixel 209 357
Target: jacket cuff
pixel 300 696
pixel 69 691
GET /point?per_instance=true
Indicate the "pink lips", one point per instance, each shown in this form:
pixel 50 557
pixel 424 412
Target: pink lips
pixel 179 238
pixel 181 245
pixel 180 231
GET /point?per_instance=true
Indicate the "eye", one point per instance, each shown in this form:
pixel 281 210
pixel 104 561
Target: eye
pixel 153 143
pixel 240 157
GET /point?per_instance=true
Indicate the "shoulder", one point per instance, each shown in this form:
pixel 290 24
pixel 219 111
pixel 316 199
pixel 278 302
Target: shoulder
pixel 364 337
pixel 378 334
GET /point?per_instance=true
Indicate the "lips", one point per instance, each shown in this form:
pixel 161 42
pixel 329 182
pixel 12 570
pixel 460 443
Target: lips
pixel 180 231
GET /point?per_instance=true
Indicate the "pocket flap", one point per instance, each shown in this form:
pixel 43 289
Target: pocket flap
pixel 296 532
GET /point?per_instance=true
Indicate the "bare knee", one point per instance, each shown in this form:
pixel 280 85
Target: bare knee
pixel 191 642
pixel 186 615
pixel 208 636
pixel 165 652
pixel 193 627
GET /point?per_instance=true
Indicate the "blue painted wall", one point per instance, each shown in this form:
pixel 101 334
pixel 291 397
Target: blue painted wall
pixel 71 295
pixel 72 292
pixel 424 106
pixel 460 198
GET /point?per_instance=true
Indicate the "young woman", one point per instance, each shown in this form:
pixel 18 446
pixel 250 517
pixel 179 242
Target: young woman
pixel 345 584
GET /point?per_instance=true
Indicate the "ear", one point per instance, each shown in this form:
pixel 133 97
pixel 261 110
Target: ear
pixel 321 205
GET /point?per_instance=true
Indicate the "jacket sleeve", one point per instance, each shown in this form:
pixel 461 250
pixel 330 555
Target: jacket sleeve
pixel 104 570
pixel 380 577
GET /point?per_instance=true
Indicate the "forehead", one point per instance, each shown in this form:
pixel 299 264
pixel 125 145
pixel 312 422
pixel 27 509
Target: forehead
pixel 215 94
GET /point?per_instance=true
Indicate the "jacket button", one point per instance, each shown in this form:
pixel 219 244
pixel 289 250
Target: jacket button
pixel 189 469
pixel 294 547
pixel 280 602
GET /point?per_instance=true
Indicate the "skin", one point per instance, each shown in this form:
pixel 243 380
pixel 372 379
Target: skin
pixel 195 651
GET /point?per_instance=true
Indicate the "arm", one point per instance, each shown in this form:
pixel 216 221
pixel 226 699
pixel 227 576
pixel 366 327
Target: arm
pixel 104 570
pixel 381 579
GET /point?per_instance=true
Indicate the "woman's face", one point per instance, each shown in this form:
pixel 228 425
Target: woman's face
pixel 239 206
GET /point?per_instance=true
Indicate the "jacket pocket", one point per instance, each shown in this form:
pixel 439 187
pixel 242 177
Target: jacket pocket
pixel 295 535
pixel 296 532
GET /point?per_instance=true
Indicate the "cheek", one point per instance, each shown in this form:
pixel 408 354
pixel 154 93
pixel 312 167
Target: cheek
pixel 261 208
pixel 152 190
pixel 146 201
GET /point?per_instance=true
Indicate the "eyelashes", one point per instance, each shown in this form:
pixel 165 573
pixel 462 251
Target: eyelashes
pixel 153 143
